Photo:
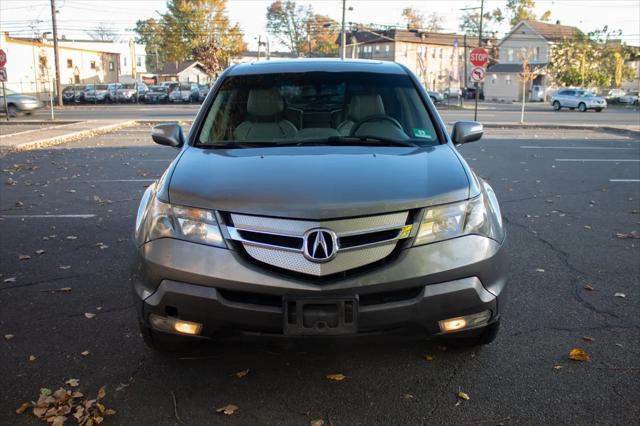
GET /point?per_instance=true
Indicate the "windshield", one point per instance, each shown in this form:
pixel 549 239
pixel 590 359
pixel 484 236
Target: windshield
pixel 585 94
pixel 128 86
pixel 101 87
pixel 316 107
pixel 185 87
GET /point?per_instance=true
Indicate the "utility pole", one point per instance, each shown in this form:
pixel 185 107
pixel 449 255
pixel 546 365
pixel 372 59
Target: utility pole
pixel 55 53
pixel 466 59
pixel 309 39
pixel 343 34
pixel 475 109
pixel 259 44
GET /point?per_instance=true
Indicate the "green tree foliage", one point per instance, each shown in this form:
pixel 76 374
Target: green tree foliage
pixel 149 33
pixel 413 18
pixel 302 31
pixel 193 29
pixel 523 10
pixel 591 60
pixel 470 22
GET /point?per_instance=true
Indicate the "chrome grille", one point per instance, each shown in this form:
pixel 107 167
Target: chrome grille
pixel 281 242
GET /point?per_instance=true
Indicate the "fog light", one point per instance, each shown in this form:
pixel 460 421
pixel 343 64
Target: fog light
pixel 174 325
pixel 467 321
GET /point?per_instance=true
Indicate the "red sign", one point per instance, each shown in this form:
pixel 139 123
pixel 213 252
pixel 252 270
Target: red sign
pixel 3 58
pixel 479 57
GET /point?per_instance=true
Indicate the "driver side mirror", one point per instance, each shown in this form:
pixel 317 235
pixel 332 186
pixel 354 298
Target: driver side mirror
pixel 169 134
pixel 466 131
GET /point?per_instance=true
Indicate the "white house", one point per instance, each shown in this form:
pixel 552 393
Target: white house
pixel 184 72
pixel 536 40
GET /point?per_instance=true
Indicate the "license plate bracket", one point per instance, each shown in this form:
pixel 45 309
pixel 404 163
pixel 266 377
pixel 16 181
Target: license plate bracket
pixel 319 316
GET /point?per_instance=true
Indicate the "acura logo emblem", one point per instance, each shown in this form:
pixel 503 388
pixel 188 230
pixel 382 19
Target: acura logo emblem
pixel 320 245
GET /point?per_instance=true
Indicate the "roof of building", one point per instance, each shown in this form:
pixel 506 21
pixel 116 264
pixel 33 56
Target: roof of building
pixel 512 68
pixel 410 36
pixel 176 68
pixel 263 54
pixel 554 32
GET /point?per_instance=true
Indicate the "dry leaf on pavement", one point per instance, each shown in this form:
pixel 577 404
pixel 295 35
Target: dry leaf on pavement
pixel 32 358
pixel 623 236
pixel 85 353
pixel 588 287
pixel 89 315
pixel 557 367
pixel 337 377
pixel 10 280
pixel 539 270
pixel 241 374
pixel 22 408
pixel 8 336
pixel 73 383
pixel 428 357
pixel 408 396
pixel 71 237
pixel 228 409
pixel 578 354
pixel 620 295
pixel 588 338
pixel 24 257
pixel 64 267
pixel 318 422
pixel 463 395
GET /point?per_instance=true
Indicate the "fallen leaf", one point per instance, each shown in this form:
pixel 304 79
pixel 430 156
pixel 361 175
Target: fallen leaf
pixel 632 234
pixel 102 392
pixel 539 270
pixel 74 383
pixel 587 227
pixel 71 237
pixel 45 391
pixel 428 357
pixel 463 395
pixel 32 358
pixel 10 280
pixel 241 374
pixel 228 409
pixel 58 290
pixel 89 315
pixel 85 353
pixel 588 338
pixel 408 396
pixel 24 257
pixel 102 246
pixel 621 295
pixel 22 408
pixel 588 287
pixel 71 191
pixel 40 251
pixel 64 267
pixel 8 336
pixel 578 354
pixel 557 367
pixel 318 422
pixel 337 377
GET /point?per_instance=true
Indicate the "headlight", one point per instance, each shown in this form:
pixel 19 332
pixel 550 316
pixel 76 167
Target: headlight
pixel 480 216
pixel 163 220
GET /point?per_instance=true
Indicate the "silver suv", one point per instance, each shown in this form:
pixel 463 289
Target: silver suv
pixel 577 98
pixel 318 197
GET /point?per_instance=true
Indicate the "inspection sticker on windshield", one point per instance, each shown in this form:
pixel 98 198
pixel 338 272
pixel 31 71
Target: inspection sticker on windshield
pixel 421 133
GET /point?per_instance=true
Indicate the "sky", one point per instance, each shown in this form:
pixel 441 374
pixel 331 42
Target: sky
pixel 75 17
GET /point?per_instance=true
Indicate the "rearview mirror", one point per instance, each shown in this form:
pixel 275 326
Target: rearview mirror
pixel 169 134
pixel 466 131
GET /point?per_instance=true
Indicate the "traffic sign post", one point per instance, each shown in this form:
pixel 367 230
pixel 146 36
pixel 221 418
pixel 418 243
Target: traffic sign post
pixel 478 58
pixel 3 78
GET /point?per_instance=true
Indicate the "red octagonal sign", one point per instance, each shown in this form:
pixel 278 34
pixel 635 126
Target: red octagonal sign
pixel 3 58
pixel 479 57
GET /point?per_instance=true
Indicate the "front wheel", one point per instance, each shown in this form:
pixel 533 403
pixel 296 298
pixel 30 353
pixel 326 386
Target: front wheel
pixel 556 106
pixel 12 110
pixel 582 107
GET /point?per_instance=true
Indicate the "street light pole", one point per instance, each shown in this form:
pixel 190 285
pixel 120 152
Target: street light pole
pixel 475 109
pixel 55 53
pixel 343 34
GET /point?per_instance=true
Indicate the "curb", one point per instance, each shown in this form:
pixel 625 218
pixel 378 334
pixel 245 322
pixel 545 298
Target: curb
pixel 595 127
pixel 69 137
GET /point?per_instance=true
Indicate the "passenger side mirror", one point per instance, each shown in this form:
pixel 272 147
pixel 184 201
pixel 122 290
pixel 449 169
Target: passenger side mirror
pixel 169 134
pixel 466 131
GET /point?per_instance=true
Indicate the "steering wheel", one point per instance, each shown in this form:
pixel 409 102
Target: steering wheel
pixel 376 117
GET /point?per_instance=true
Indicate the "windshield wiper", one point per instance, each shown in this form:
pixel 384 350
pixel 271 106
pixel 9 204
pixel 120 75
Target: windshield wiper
pixel 238 145
pixel 351 140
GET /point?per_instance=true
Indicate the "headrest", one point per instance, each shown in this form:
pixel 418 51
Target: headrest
pixel 264 103
pixel 362 106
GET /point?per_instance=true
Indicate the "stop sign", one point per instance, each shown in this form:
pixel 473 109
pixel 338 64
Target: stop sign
pixel 479 57
pixel 3 58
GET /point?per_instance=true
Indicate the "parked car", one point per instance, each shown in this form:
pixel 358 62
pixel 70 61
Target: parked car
pixel 615 94
pixel 17 103
pixel 203 91
pixel 360 219
pixel 69 94
pixel 132 92
pixel 630 98
pixel 185 92
pixel 577 98
pixel 436 97
pixel 78 97
pixel 452 92
pixel 112 91
pixel 171 85
pixel 157 95
pixel 96 93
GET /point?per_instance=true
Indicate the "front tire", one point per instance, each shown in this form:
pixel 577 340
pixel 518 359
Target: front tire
pixel 557 106
pixel 12 110
pixel 582 107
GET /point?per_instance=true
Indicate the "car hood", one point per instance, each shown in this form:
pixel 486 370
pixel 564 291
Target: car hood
pixel 318 182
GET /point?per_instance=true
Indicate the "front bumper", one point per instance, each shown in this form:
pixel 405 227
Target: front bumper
pixel 220 289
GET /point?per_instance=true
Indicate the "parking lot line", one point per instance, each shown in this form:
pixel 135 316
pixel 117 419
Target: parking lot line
pixel 118 180
pixel 624 180
pixel 48 216
pixel 574 147
pixel 584 160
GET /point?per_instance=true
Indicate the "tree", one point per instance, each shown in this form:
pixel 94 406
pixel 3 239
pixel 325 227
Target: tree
pixel 102 32
pixel 288 23
pixel 322 35
pixel 434 22
pixel 470 22
pixel 523 10
pixel 414 19
pixel 528 74
pixel 150 34
pixel 591 60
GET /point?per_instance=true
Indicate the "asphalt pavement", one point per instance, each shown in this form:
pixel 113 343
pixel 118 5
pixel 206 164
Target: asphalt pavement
pixel 565 196
pixel 536 113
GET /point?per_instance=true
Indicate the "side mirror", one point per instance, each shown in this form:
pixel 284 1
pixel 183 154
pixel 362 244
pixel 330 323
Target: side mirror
pixel 466 131
pixel 169 134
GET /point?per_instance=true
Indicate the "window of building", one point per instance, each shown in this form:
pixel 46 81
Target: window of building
pixel 124 59
pixel 387 49
pixel 69 63
pixel 536 53
pixel 111 67
pixel 139 61
pixel 93 65
pixel 507 80
pixel 377 47
pixel 509 55
pixel 494 78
